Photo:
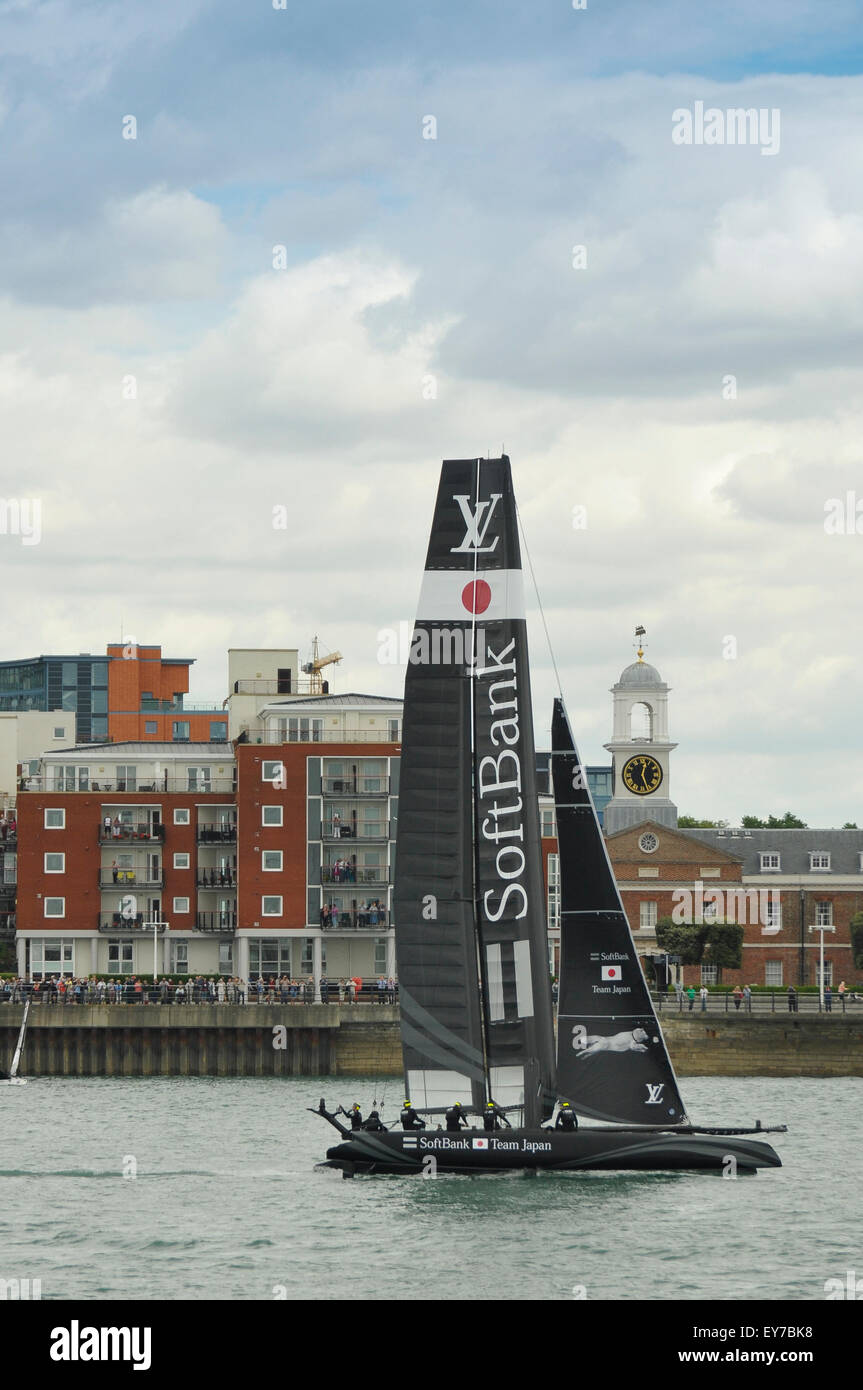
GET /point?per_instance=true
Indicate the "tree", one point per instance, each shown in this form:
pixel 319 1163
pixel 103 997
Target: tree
pixel 725 943
pixel 787 822
pixel 850 825
pixel 694 823
pixel 857 939
pixel 684 940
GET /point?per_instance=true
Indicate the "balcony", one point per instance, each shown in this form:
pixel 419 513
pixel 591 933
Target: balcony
pixel 7 925
pixel 355 921
pixel 216 834
pixel 256 733
pixel 356 830
pixel 216 878
pixel 129 878
pixel 131 830
pixel 137 922
pixel 215 921
pixel 360 786
pixel 371 876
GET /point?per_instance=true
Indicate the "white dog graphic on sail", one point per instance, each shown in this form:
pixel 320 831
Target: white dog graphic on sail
pixel 589 1044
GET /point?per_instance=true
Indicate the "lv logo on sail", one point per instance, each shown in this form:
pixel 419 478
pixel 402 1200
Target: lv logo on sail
pixel 474 537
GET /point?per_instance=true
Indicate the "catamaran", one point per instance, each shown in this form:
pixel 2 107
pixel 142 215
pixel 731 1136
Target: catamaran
pixel 13 1079
pixel 469 903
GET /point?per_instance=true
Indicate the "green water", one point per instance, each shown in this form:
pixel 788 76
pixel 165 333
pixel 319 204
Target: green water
pixel 227 1202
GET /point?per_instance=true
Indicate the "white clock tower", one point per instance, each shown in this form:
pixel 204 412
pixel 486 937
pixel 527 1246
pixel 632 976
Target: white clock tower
pixel 640 749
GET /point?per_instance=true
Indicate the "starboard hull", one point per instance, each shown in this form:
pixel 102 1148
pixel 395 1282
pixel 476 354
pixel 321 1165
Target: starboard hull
pixel 474 1152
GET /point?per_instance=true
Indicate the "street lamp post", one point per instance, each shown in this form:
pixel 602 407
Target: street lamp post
pixel 822 928
pixel 158 925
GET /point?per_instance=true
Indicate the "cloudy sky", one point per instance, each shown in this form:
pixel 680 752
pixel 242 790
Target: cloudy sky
pixel 690 378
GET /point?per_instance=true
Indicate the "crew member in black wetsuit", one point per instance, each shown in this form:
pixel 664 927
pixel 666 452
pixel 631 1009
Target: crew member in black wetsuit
pixel 410 1119
pixel 355 1115
pixel 566 1117
pixel 455 1120
pixel 493 1117
pixel 374 1122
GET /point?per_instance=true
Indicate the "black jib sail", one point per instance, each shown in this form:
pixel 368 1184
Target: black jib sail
pixel 612 1062
pixel 469 902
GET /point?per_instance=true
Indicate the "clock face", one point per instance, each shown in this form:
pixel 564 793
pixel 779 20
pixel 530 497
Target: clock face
pixel 641 774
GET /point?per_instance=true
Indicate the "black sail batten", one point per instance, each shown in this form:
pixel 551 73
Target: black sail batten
pixel 469 899
pixel 612 1062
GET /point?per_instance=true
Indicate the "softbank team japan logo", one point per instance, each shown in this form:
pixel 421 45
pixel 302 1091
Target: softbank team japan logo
pixel 611 972
pixel 476 523
pixel 480 1143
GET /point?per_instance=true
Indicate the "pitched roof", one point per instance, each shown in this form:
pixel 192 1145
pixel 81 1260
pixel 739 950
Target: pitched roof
pixel 793 846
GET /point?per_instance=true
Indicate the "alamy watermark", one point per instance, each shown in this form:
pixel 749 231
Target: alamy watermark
pixel 740 905
pixel 843 516
pixel 431 646
pixel 21 516
pixel 735 126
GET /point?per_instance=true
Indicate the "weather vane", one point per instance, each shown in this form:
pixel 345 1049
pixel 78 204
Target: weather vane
pixel 640 632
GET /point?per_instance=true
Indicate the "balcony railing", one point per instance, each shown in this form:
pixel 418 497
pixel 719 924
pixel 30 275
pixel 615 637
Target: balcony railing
pixel 355 921
pixel 130 878
pixel 215 921
pixel 131 830
pixel 370 874
pixel 138 922
pixel 275 687
pixel 9 840
pixel 356 830
pixel 265 735
pixel 216 878
pixel 211 834
pixel 360 786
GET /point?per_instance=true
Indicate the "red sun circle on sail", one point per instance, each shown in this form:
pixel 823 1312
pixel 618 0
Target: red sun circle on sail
pixel 611 972
pixel 476 596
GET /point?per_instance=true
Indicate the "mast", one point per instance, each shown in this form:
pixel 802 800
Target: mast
pixel 13 1071
pixel 612 1060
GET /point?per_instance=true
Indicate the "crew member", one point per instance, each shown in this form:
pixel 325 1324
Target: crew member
pixel 455 1120
pixel 566 1117
pixel 374 1122
pixel 410 1119
pixel 494 1117
pixel 355 1115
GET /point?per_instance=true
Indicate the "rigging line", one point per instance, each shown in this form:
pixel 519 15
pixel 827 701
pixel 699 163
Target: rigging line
pixel 539 601
pixel 480 974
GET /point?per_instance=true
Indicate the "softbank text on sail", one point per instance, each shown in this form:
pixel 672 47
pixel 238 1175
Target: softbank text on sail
pixel 737 125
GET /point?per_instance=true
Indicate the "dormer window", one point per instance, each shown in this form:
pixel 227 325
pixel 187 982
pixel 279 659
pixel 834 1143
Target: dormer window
pixel 819 860
pixel 770 861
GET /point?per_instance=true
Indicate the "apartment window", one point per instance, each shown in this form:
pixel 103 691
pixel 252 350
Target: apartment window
pixel 273 772
pixel 380 955
pixel 828 973
pixel 271 815
pixel 55 863
pixel 372 776
pixel 151 726
pixel 271 861
pixel 824 914
pixel 120 957
pixel 99 675
pixel 772 914
pixel 181 861
pixel 304 730
pixel 546 815
pixel 55 907
pixel 773 972
pixel 127 777
pixel 226 957
pixel 271 955
pixel 769 860
pixel 819 860
pixel 199 779
pixel 271 907
pixel 554 891
pixel 710 974
pixel 67 777
pixel 393 728
pixel 99 727
pixel 647 915
pixel 10 868
pixel 99 702
pixel 55 818
pixel 60 731
pixel 180 730
pixel 218 730
pixel 181 815
pixel 181 904
pixel 179 957
pixel 710 912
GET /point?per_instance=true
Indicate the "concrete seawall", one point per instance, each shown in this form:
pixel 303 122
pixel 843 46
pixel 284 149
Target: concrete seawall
pixel 363 1040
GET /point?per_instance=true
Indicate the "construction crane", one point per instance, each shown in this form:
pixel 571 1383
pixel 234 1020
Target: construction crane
pixel 313 668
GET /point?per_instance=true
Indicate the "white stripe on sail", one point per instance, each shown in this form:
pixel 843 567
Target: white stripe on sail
pixel 462 595
pixel 432 1088
pixel 507 1085
pixel 494 982
pixel 523 982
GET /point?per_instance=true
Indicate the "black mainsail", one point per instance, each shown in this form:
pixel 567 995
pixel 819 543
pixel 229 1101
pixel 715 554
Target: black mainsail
pixel 469 911
pixel 612 1062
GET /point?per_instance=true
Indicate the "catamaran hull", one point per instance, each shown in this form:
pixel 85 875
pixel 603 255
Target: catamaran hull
pixel 549 1151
